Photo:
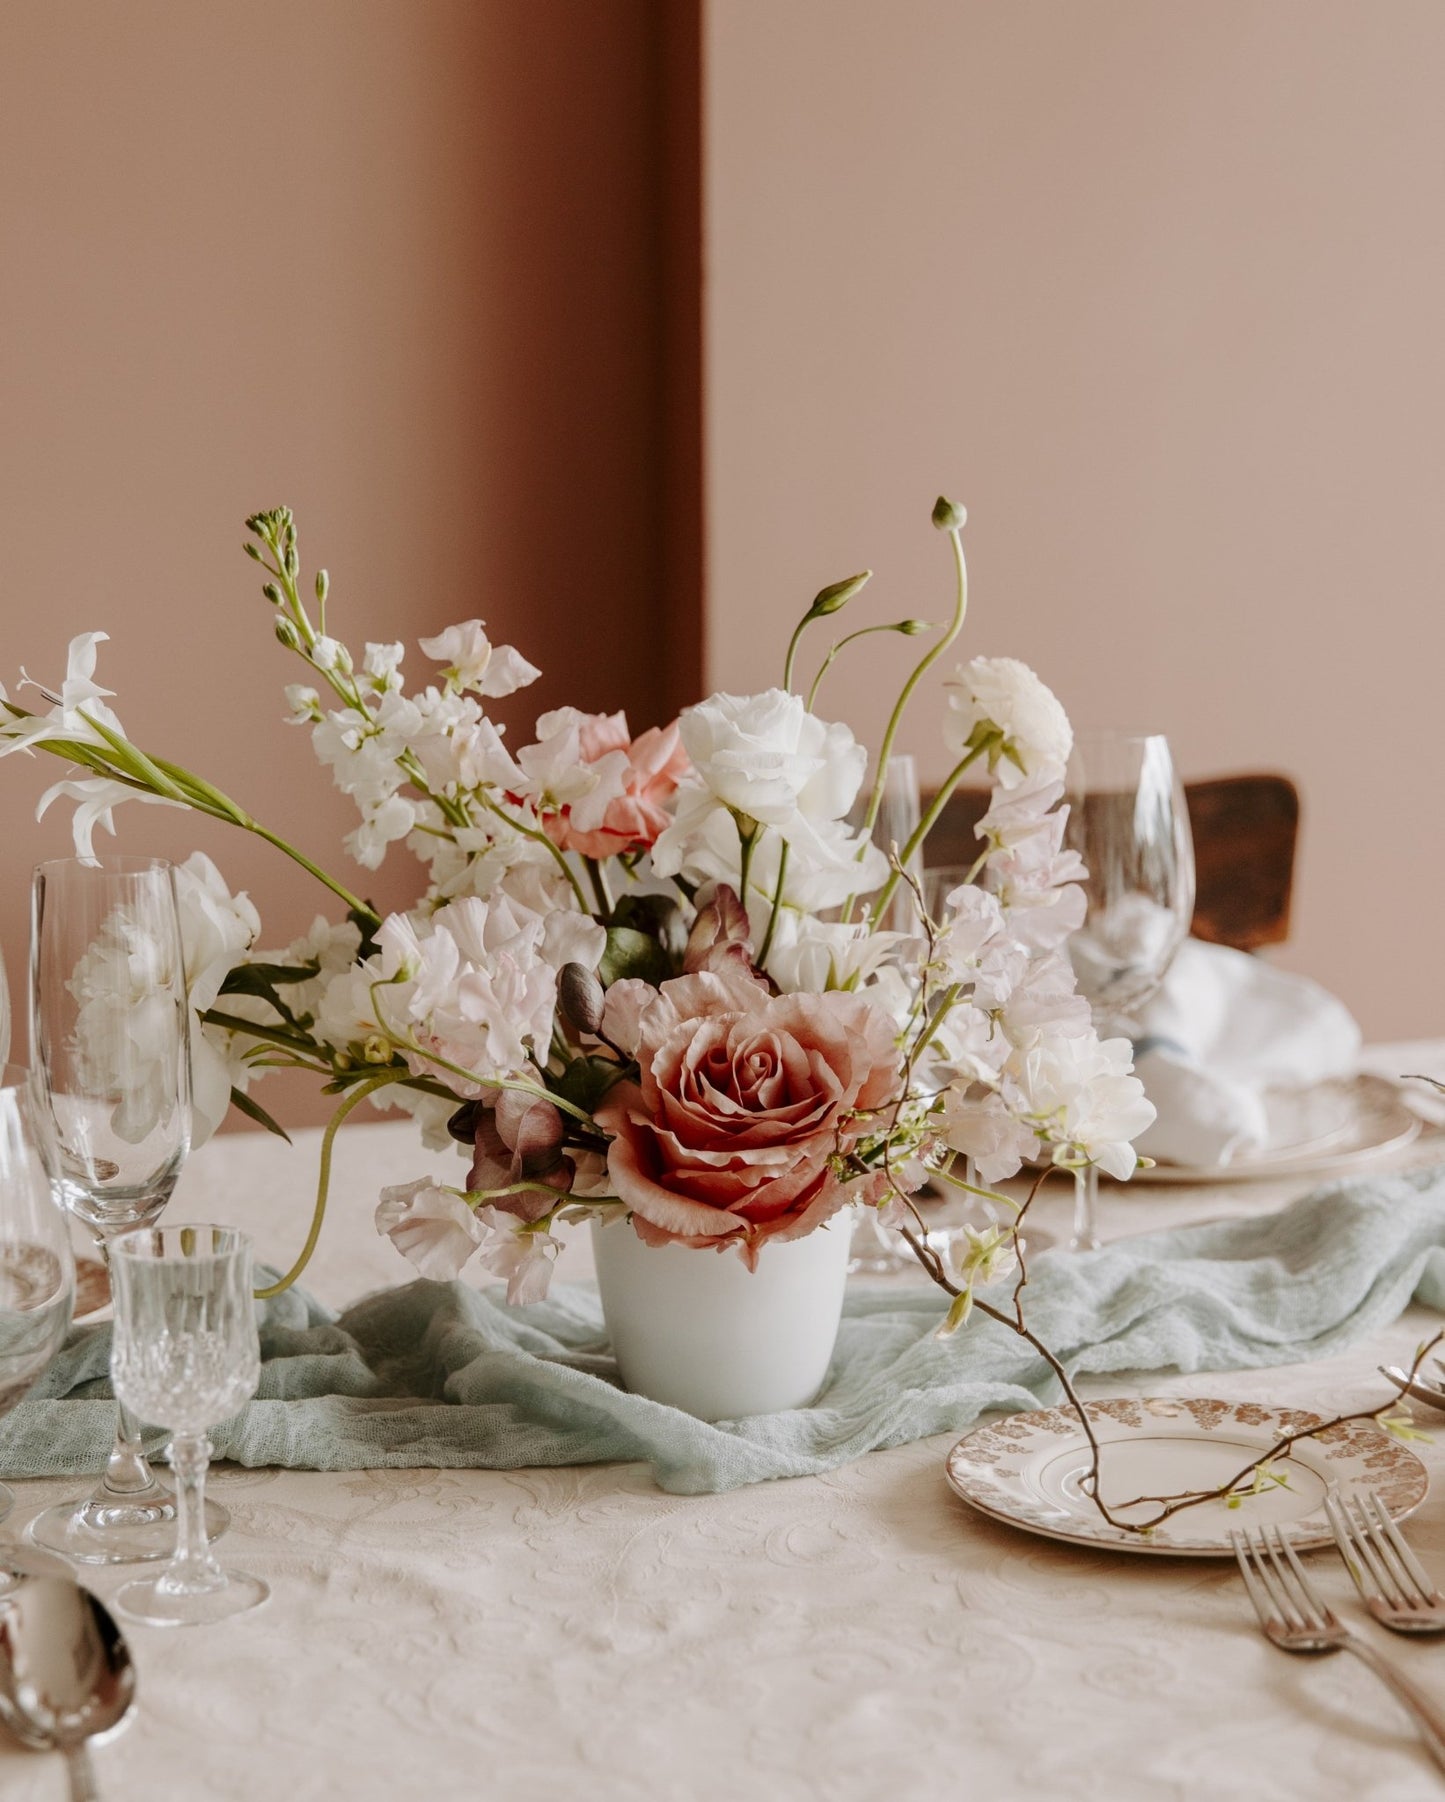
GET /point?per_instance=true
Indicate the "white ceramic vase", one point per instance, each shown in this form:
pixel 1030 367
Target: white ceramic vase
pixel 700 1331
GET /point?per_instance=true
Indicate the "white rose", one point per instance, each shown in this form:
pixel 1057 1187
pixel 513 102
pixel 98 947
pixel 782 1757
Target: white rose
pixel 1002 699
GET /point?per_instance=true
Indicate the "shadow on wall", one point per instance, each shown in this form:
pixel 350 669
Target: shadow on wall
pixel 431 282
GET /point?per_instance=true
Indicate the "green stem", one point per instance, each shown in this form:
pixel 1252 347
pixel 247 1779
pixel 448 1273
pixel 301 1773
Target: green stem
pixel 542 839
pixel 793 643
pixel 777 903
pixel 353 902
pixel 599 885
pixel 842 645
pixel 924 827
pixel 745 860
pixel 925 663
pixel 323 1184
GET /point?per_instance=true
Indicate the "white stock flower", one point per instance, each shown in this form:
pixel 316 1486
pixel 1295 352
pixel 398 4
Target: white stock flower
pixel 558 776
pixel 382 666
pixel 382 825
pixel 473 661
pixel 1001 701
pixel 431 1227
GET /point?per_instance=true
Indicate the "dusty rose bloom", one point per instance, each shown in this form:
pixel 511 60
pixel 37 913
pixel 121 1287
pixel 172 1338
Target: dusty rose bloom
pixel 635 818
pixel 745 1099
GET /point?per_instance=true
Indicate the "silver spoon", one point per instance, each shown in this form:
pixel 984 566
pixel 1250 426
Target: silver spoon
pixel 66 1675
pixel 1419 1388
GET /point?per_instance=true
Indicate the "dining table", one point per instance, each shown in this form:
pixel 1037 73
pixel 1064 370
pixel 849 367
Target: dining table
pixel 542 1635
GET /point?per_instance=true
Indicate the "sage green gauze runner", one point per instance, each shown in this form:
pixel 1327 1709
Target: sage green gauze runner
pixel 442 1375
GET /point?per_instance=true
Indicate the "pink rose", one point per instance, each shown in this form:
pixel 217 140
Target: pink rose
pixel 633 820
pixel 746 1101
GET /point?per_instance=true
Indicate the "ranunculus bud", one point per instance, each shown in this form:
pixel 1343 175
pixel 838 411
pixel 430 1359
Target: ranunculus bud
pixel 582 996
pixel 948 516
pixel 838 594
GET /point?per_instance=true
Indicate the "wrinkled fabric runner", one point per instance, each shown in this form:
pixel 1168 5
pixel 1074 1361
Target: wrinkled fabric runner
pixel 440 1375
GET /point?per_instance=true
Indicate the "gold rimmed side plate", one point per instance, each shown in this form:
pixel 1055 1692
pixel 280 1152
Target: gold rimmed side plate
pixel 1029 1472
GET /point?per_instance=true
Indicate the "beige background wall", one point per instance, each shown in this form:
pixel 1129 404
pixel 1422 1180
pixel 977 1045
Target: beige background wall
pixel 1158 290
pixel 399 263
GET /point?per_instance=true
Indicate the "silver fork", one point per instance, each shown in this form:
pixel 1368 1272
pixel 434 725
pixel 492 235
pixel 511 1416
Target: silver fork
pixel 1392 1584
pixel 1295 1620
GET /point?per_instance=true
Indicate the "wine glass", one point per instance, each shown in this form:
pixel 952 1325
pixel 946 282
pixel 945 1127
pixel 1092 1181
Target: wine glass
pixel 37 1283
pixel 4 1016
pixel 109 1028
pixel 1129 821
pixel 186 1354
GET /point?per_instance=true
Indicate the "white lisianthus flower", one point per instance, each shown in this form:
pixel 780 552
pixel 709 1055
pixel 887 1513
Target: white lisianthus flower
pixel 473 662
pixel 809 955
pixel 826 863
pixel 432 1228
pixel 767 758
pixel 1000 702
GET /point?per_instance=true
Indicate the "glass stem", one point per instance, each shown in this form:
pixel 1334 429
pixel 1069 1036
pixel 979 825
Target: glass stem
pixel 126 1472
pixel 1086 1209
pixel 193 1563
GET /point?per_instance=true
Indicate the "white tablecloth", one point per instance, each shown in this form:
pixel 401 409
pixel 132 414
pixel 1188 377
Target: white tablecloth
pixel 556 1634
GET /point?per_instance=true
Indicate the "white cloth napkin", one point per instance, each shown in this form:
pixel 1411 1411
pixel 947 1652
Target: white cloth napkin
pixel 1224 1028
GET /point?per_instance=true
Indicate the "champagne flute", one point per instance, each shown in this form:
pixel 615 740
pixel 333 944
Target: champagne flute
pixel 186 1354
pixel 37 1283
pixel 1129 821
pixel 109 1028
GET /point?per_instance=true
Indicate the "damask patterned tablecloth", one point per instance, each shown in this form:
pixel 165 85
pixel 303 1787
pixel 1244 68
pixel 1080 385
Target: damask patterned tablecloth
pixel 550 1634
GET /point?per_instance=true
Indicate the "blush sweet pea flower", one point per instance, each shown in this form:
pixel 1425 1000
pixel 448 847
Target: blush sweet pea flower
pixel 746 1106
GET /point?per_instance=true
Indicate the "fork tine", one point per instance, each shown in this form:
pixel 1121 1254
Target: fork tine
pixel 1372 1556
pixel 1346 1539
pixel 1277 1574
pixel 1258 1595
pixel 1400 1580
pixel 1316 1608
pixel 1416 1572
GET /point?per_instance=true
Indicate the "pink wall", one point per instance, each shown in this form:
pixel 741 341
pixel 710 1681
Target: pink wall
pixel 396 265
pixel 1158 291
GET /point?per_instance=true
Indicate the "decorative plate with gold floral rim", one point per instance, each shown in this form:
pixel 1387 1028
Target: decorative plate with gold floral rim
pixel 1029 1471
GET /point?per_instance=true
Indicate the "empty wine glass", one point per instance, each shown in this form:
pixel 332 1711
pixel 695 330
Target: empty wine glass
pixel 37 1284
pixel 109 1028
pixel 1129 821
pixel 186 1355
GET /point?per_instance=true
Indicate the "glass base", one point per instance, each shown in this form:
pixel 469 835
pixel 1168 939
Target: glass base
pixel 161 1602
pixel 879 1250
pixel 20 1561
pixel 106 1528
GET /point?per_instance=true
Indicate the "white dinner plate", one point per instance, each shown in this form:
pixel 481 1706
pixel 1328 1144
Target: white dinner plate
pixel 1029 1470
pixel 1332 1127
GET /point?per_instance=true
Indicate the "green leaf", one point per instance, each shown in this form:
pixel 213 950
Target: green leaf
pixel 586 1080
pixel 260 979
pixel 254 1111
pixel 660 917
pixel 635 954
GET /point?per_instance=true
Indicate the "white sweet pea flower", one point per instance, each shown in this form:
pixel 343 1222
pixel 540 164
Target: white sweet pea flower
pixel 1080 1092
pixel 382 825
pixel 430 1226
pixel 473 661
pixel 983 1127
pixel 524 1258
pixel 1000 702
pixel 975 946
pixel 559 776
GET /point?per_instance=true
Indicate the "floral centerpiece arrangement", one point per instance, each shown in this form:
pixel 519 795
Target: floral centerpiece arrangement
pixel 645 982
pixel 644 977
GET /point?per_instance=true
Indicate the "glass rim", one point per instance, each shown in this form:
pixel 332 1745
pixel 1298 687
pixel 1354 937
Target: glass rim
pixel 1116 735
pixel 107 863
pixel 128 1244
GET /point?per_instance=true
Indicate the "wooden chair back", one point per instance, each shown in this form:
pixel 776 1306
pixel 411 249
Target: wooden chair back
pixel 1245 832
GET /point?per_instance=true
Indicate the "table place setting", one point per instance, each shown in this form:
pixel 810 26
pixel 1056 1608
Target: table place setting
pixel 699 992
